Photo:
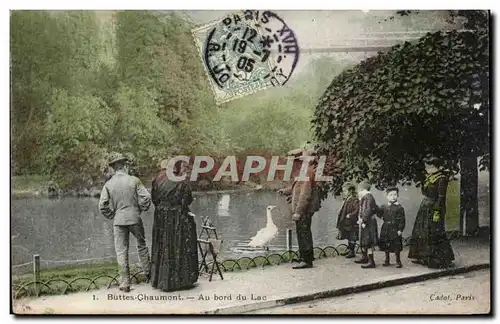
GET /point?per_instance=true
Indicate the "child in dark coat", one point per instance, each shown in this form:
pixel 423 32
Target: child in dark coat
pixel 347 220
pixel 393 215
pixel 369 233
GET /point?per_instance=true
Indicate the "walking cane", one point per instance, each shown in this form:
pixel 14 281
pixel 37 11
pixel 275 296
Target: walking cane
pixel 360 221
pixel 288 238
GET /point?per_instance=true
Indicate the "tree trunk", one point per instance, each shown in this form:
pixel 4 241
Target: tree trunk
pixel 469 216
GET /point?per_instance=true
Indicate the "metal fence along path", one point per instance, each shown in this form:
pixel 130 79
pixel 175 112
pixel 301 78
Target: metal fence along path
pixel 62 286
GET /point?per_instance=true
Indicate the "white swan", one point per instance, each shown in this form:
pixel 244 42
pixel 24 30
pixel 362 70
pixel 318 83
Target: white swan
pixel 267 234
pixel 223 209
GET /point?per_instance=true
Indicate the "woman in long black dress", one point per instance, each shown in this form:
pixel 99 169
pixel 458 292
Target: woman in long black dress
pixel 174 247
pixel 429 245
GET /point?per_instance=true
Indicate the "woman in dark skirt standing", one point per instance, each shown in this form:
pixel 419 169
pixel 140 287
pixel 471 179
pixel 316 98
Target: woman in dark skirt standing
pixel 429 245
pixel 174 248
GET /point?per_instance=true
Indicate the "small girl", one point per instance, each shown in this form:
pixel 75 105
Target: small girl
pixel 391 232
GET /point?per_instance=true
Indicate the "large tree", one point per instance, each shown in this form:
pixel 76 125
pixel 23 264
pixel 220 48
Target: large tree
pixel 429 97
pixel 157 55
pixel 51 53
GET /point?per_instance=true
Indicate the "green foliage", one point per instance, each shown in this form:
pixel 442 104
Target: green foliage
pixel 278 119
pixel 276 126
pixel 28 34
pixel 382 117
pixel 86 84
pixel 156 53
pixel 139 130
pixel 77 128
pixel 51 51
pixel 29 183
pixel 65 274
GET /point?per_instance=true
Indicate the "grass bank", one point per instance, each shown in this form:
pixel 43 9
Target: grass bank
pixel 35 186
pixel 29 183
pixel 66 279
pixel 83 277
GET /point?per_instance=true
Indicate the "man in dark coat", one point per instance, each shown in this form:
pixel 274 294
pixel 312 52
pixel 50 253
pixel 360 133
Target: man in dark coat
pixel 305 202
pixel 347 220
pixel 369 232
pixel 393 215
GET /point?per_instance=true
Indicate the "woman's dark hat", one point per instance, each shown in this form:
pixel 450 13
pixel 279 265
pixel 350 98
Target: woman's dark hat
pixel 432 160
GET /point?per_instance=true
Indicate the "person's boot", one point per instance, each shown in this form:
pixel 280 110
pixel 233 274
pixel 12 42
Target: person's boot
pixel 398 260
pixel 125 289
pixel 303 265
pixel 364 258
pixel 147 272
pixel 371 263
pixel 306 260
pixel 124 281
pixel 351 253
pixel 387 260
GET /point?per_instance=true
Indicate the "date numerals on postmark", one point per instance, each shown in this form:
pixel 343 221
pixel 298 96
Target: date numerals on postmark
pixel 246 52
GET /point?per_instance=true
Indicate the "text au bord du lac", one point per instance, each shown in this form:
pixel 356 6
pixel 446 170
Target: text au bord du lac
pixel 230 297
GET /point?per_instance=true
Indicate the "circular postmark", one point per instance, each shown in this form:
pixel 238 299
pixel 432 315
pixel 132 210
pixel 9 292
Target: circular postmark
pixel 248 51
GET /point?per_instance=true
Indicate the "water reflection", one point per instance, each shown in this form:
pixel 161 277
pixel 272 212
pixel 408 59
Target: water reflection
pixel 223 209
pixel 72 228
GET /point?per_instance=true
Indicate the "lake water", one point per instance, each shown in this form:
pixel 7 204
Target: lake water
pixel 73 229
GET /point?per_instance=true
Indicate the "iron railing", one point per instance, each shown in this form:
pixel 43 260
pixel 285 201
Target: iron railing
pixel 50 287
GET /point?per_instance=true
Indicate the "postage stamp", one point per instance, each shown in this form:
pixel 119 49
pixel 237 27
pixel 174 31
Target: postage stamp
pixel 246 52
pixel 352 175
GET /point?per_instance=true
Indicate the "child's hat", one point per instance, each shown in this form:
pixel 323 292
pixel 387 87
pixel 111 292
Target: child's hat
pixel 392 189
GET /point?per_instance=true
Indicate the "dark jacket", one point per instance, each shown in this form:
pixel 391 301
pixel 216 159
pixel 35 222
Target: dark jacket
pixel 393 216
pixel 435 188
pixel 367 211
pixel 350 207
pixel 428 238
pixel 304 195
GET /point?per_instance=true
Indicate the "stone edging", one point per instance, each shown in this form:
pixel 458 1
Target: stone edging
pixel 346 291
pixel 26 194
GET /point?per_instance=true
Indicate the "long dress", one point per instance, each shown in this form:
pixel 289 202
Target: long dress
pixel 174 251
pixel 429 244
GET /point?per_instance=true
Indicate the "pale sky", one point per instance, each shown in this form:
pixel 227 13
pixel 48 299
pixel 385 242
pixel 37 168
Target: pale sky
pixel 337 28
